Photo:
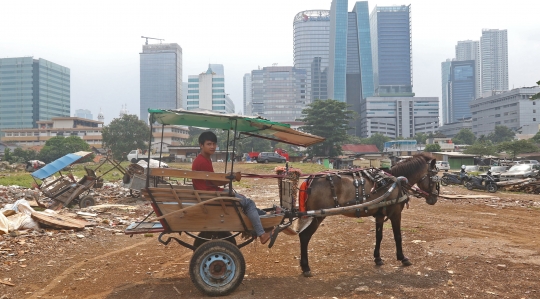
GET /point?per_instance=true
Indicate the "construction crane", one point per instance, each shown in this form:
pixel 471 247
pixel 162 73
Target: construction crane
pixel 159 39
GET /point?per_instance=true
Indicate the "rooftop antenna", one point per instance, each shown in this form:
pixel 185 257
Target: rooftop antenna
pixel 159 39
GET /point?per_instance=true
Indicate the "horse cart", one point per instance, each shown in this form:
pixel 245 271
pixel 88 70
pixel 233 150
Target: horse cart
pixel 65 189
pixel 215 219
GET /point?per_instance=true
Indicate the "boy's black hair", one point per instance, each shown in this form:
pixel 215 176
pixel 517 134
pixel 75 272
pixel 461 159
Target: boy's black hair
pixel 207 136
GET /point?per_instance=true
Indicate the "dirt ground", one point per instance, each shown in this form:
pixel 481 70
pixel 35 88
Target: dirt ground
pixel 461 248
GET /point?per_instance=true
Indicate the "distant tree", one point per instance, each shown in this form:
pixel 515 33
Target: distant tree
pixel 125 134
pixel 60 146
pixel 536 138
pixel 435 147
pixel 378 140
pixel 501 134
pixel 481 148
pixel 464 136
pixel 254 144
pixel 517 147
pixel 193 138
pixel 536 96
pixel 421 138
pixel 7 154
pixel 329 119
pixel 21 155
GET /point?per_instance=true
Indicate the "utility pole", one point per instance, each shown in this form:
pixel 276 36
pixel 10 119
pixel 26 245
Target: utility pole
pixel 160 39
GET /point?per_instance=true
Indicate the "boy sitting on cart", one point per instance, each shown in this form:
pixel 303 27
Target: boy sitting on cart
pixel 208 144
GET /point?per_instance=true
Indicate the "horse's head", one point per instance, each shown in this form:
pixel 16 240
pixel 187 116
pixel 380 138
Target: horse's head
pixel 429 182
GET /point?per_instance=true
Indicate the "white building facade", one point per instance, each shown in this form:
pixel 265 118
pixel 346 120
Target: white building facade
pixel 494 55
pixel 247 94
pixel 512 109
pixel 206 91
pixel 400 116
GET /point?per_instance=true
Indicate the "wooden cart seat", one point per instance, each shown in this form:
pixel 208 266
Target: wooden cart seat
pixel 195 210
pixel 189 174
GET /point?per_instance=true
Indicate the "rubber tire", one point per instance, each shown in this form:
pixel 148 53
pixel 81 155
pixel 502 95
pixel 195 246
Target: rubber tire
pixel 133 160
pixel 216 248
pixel 86 201
pixel 265 161
pixel 446 170
pixel 126 179
pixel 216 235
pixel 469 185
pixel 492 187
pixel 444 181
pixel 134 193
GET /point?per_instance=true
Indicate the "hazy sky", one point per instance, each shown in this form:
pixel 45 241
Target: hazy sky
pixel 100 40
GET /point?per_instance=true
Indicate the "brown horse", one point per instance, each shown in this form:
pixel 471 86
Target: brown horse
pixel 419 170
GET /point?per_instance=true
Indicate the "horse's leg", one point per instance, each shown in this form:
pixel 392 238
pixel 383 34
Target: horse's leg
pixel 379 222
pixel 396 228
pixel 305 236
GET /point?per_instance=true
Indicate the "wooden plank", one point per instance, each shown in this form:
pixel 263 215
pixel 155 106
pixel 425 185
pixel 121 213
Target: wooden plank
pixel 199 175
pixel 60 221
pixel 222 204
pixel 215 220
pixel 465 196
pixel 199 200
pixel 180 212
pixel 7 283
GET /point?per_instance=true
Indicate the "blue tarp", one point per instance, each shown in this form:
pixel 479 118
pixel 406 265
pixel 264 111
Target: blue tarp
pixel 58 164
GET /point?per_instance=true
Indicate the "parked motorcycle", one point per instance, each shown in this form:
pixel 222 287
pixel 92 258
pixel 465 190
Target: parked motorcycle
pixel 454 179
pixel 488 183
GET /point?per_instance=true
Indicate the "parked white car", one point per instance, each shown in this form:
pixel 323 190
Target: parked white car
pixel 442 165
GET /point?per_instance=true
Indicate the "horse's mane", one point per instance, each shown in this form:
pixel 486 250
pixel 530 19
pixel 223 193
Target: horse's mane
pixel 411 165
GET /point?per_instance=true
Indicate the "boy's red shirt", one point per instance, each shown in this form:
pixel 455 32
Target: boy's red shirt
pixel 203 164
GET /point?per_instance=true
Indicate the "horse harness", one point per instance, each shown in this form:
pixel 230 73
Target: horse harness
pixel 433 178
pixel 379 178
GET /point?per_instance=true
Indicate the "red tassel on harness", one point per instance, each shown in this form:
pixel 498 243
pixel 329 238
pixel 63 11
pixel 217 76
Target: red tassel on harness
pixel 302 196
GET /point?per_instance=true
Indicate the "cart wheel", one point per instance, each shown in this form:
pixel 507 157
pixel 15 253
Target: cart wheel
pixel 217 268
pixel 444 181
pixel 134 193
pixel 469 185
pixel 213 235
pixel 127 178
pixel 86 201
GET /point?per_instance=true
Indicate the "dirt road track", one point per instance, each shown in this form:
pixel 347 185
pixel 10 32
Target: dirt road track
pixel 460 249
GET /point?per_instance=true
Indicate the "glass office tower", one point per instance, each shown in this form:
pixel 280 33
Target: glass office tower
pixel 161 78
pixel 462 89
pixel 392 50
pixel 278 93
pixel 32 90
pixel 337 64
pixel 445 107
pixel 311 29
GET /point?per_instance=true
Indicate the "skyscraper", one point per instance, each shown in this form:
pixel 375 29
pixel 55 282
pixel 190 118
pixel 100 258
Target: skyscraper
pixel 278 93
pixel 459 86
pixel 359 72
pixel 391 45
pixel 337 64
pixel 311 30
pixel 84 113
pixel 161 77
pixel 247 94
pixel 445 105
pixel 470 50
pixel 494 53
pixel 207 91
pixel 32 90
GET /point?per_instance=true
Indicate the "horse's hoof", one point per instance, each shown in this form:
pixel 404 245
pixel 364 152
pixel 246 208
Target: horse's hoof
pixel 379 262
pixel 307 274
pixel 405 262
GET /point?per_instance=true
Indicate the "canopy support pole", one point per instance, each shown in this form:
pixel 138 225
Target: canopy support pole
pixel 232 158
pixel 151 119
pixel 160 147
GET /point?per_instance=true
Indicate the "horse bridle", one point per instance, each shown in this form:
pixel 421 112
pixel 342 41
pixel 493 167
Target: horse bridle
pixel 433 179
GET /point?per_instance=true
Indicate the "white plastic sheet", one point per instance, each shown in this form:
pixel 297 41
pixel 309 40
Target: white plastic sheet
pixel 4 224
